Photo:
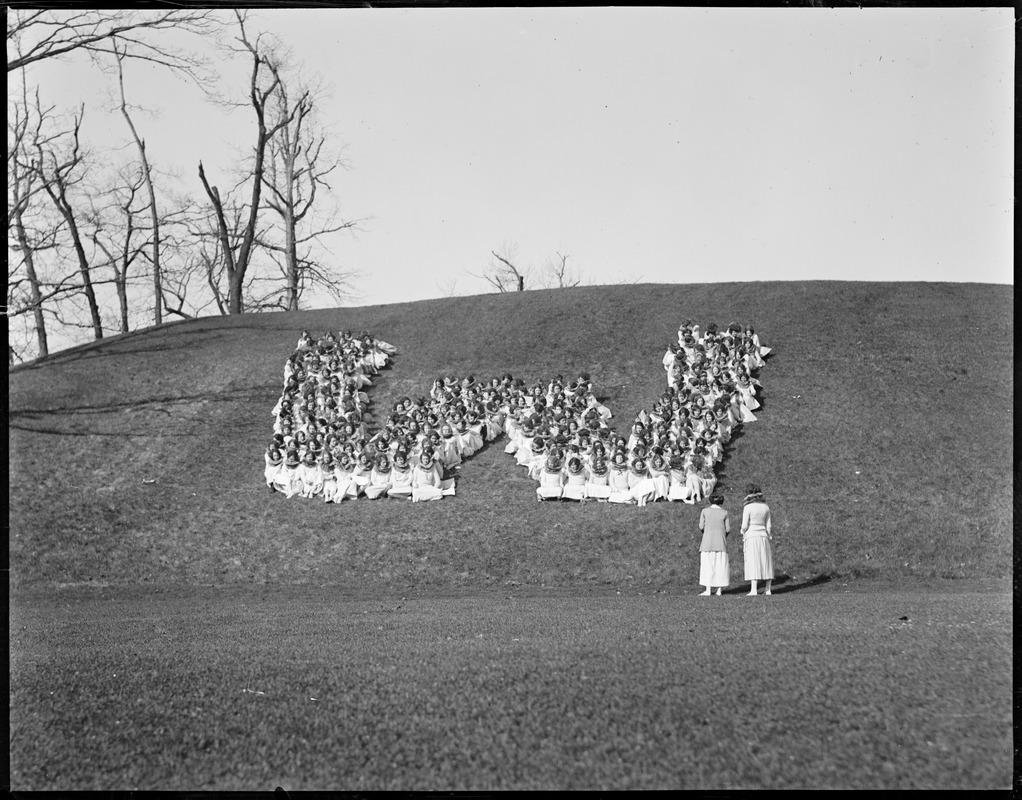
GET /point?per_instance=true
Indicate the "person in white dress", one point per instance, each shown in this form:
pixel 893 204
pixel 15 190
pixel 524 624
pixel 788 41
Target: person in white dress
pixel 575 479
pixel 274 466
pixel 379 477
pixel 679 485
pixel 756 538
pixel 425 479
pixel 640 485
pixel 311 475
pixel 345 485
pixel 400 476
pixel 551 478
pixel 598 482
pixel 360 474
pixel 620 491
pixel 659 473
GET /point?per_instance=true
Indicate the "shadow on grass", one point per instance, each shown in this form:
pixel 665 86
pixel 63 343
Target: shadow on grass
pixel 783 584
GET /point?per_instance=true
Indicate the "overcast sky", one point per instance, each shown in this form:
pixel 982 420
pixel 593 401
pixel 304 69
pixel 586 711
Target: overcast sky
pixel 661 145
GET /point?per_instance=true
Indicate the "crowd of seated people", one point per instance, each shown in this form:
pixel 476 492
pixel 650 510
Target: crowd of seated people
pixel 558 431
pixel 671 452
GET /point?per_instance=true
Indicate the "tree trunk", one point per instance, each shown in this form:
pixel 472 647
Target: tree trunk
pixel 83 268
pixel 154 213
pixel 290 238
pixel 60 200
pixel 33 283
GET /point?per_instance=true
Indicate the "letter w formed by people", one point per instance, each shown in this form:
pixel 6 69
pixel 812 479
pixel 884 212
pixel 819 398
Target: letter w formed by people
pixel 323 447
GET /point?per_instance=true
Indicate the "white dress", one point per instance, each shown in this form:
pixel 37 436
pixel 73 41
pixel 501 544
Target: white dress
pixel 379 484
pixel 574 486
pixel 759 559
pixel 598 486
pixel 679 487
pixel 549 485
pixel 425 484
pixel 271 471
pixel 620 491
pixel 401 483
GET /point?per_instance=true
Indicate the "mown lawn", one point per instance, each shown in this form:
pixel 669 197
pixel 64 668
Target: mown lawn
pixel 854 686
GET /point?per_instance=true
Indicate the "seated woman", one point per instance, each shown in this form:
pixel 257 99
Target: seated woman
pixel 722 419
pixel 400 476
pixel 640 485
pixel 693 480
pixel 551 478
pixel 327 478
pixel 678 476
pixel 425 479
pixel 450 448
pixel 310 475
pixel 637 435
pixel 707 479
pixel 493 421
pixel 747 393
pixel 575 479
pixel 620 490
pixel 598 480
pixel 379 477
pixel 659 473
pixel 711 441
pixel 536 457
pixel 344 485
pixel 274 467
pixel 290 477
pixel 470 438
pixel 363 468
pixel 592 403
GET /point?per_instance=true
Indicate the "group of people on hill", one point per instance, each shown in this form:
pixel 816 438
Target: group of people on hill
pixel 321 446
pixel 671 452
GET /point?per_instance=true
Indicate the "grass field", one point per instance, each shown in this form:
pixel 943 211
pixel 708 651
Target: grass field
pixel 884 444
pixel 855 687
pixel 489 641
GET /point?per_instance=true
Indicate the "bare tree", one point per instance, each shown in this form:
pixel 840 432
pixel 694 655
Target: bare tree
pixel 60 166
pixel 21 186
pixel 38 34
pixel 262 84
pixel 120 54
pixel 117 234
pixel 296 180
pixel 503 273
pixel 557 273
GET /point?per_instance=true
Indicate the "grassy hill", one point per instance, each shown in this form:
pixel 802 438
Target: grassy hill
pixel 884 443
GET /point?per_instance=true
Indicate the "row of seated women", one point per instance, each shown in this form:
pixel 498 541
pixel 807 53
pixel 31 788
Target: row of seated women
pixel 314 474
pixel 637 481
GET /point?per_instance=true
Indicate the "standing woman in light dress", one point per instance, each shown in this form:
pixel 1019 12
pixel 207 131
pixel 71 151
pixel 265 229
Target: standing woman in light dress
pixel 714 567
pixel 759 560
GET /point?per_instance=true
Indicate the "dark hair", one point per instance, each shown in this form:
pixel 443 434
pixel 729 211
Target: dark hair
pixel 716 499
pixel 753 494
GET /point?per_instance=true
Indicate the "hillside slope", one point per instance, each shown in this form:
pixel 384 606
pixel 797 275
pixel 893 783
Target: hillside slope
pixel 884 443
